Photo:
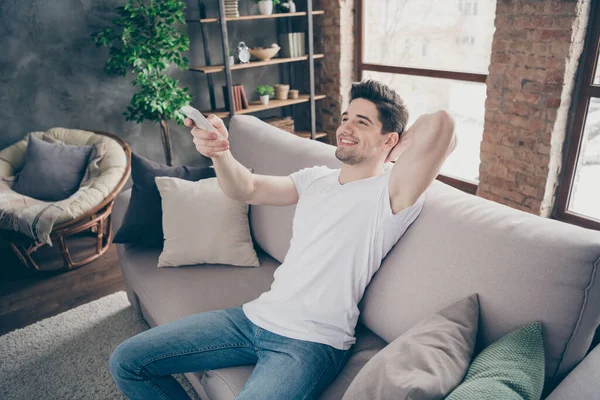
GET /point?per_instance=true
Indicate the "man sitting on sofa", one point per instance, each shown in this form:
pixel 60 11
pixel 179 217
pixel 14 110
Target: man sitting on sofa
pixel 300 331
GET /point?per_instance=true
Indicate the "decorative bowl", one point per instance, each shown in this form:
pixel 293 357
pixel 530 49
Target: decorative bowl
pixel 264 54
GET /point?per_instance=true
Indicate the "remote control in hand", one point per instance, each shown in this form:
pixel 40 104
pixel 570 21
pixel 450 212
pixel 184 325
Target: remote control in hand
pixel 199 120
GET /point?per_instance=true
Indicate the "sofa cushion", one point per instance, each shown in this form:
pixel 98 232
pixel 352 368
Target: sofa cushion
pixel 202 225
pixel 367 345
pixel 142 222
pixel 425 362
pixel 525 268
pixel 511 368
pixel 172 293
pixel 226 383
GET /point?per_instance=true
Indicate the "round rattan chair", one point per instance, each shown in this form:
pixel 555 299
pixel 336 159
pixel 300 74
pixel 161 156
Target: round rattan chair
pixel 95 221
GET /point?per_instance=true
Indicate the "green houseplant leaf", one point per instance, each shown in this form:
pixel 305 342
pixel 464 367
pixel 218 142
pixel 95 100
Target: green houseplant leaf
pixel 263 90
pixel 144 41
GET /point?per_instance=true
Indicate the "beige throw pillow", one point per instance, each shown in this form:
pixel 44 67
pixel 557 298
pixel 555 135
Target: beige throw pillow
pixel 203 226
pixel 426 362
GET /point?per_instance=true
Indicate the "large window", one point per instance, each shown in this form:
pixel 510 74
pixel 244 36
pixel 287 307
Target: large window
pixel 579 193
pixel 436 55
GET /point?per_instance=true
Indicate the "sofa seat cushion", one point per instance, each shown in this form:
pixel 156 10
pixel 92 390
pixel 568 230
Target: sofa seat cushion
pixel 169 294
pixel 226 383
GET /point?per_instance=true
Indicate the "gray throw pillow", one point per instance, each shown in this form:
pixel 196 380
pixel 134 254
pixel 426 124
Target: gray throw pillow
pixel 142 223
pixel 52 171
pixel 426 362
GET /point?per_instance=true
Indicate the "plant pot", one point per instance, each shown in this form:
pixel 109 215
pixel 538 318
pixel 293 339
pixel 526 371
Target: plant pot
pixel 281 91
pixel 265 7
pixel 231 60
pixel 264 99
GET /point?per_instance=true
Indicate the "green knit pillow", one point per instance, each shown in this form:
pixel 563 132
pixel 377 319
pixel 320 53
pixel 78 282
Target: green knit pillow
pixel 510 368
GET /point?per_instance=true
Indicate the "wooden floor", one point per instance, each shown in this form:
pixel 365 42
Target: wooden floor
pixel 28 296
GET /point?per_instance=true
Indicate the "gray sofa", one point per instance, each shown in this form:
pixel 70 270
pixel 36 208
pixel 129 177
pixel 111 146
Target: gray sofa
pixel 523 267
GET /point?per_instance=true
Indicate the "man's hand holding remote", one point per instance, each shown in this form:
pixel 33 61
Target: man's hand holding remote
pixel 209 144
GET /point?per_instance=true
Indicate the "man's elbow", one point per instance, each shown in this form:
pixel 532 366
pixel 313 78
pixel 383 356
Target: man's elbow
pixel 445 122
pixel 445 130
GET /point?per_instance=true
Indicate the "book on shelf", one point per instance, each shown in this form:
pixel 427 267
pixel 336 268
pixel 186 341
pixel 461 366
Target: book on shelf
pixel 287 45
pixel 292 44
pixel 231 9
pixel 238 98
pixel 240 101
pixel 300 44
pixel 244 98
pixel 226 97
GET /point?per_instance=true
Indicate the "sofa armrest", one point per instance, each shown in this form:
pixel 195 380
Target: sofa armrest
pixel 583 381
pixel 119 210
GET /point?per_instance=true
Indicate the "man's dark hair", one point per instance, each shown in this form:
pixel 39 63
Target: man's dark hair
pixel 392 111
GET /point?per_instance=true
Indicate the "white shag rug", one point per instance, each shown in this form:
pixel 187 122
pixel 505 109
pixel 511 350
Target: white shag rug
pixel 66 356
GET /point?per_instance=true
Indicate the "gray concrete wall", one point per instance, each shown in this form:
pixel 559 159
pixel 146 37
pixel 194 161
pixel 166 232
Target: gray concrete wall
pixel 52 74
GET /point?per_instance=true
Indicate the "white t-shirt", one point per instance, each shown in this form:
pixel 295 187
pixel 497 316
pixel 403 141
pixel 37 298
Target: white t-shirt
pixel 340 235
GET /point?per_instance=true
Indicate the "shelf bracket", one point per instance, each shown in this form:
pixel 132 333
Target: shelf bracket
pixel 225 47
pixel 311 69
pixel 204 30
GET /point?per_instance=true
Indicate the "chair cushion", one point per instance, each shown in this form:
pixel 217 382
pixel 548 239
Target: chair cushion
pixel 172 293
pixel 112 166
pixel 52 171
pixel 226 383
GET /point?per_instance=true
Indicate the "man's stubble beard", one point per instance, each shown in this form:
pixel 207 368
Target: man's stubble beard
pixel 348 158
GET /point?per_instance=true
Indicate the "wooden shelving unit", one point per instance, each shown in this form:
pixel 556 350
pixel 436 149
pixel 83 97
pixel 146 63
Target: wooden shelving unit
pixel 253 17
pixel 257 106
pixel 252 64
pixel 209 69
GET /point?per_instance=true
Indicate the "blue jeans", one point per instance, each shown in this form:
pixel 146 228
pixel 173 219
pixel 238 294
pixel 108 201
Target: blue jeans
pixel 285 368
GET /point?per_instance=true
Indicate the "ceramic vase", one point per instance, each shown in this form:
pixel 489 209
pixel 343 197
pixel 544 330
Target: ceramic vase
pixel 265 7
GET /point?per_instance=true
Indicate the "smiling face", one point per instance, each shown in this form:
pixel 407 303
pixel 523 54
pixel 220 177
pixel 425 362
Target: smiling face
pixel 359 136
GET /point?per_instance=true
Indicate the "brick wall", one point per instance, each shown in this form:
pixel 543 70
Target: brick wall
pixel 334 36
pixel 535 54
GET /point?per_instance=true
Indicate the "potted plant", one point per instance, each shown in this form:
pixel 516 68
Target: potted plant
pixel 264 91
pixel 266 6
pixel 145 40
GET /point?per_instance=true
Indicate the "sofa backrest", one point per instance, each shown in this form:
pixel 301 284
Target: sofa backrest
pixel 525 268
pixel 272 151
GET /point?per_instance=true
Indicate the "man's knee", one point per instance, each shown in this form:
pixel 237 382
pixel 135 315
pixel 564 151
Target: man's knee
pixel 124 360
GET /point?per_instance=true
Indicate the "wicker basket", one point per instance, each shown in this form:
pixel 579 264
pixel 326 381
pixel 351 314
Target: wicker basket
pixel 287 123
